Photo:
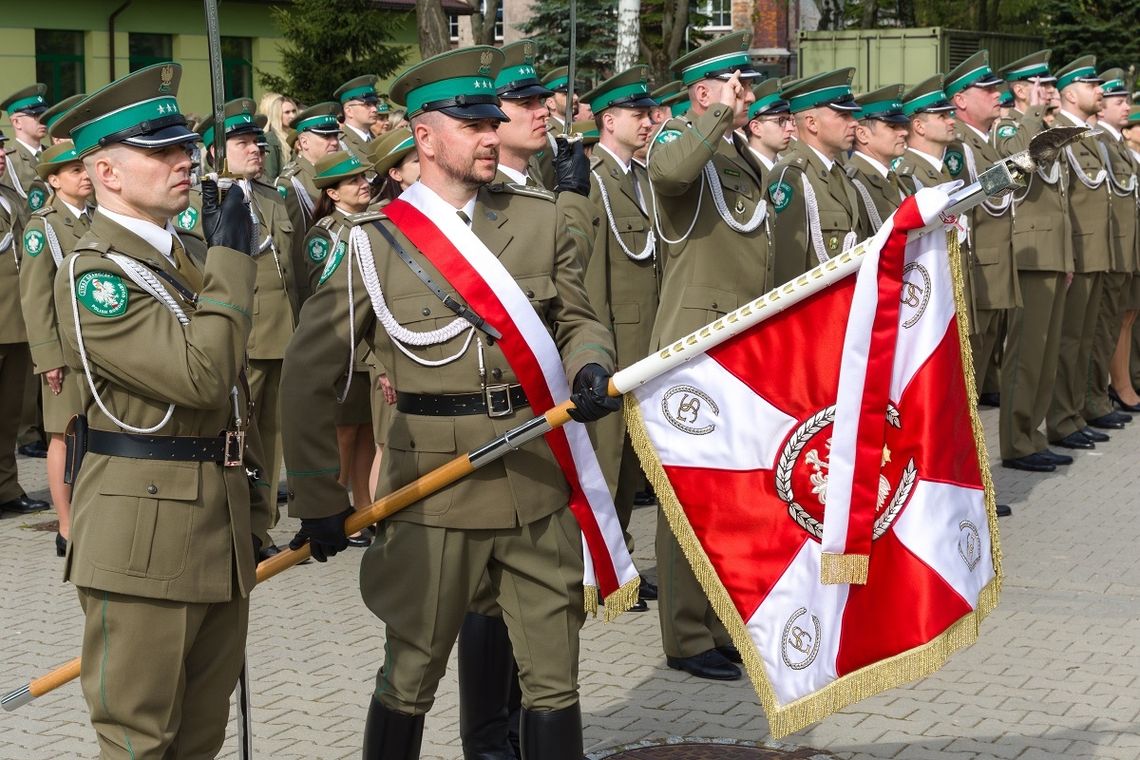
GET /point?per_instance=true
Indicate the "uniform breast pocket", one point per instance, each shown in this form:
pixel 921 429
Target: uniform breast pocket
pixel 421 313
pixel 416 446
pixel 701 305
pixel 146 517
pixel 538 289
pixel 734 180
pixel 631 224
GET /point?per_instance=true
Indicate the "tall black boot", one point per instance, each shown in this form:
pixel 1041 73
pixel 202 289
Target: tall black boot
pixel 391 735
pixel 486 672
pixel 552 734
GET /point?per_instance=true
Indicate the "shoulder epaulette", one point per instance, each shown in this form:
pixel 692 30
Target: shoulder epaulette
pixel 363 216
pixel 595 161
pixel 515 189
pixel 850 170
pixel 43 211
pixel 288 170
pixel 93 244
pixel 791 162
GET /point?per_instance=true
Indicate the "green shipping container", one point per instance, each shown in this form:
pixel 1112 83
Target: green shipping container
pixel 885 56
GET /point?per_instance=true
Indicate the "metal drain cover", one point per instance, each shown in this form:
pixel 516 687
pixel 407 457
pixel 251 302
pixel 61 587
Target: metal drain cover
pixel 680 748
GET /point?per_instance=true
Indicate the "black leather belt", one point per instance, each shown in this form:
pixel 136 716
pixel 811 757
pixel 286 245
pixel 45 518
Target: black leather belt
pixel 226 449
pixel 493 401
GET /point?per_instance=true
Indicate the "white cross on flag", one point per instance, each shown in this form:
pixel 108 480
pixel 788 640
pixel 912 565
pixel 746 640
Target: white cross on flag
pixel 825 473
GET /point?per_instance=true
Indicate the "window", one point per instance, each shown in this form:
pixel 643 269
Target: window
pixel 453 27
pixel 719 13
pixel 149 49
pixel 237 67
pixel 59 63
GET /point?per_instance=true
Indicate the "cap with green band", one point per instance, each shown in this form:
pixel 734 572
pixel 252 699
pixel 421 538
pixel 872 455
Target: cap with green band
pixel 1082 70
pixel 320 119
pixel 362 88
pixel 1134 116
pixel 926 97
pixel 240 117
pixel 334 168
pixel 55 158
pixel 588 129
pixel 389 150
pixel 382 105
pixel 884 104
pixel 518 79
pixel 1113 85
pixel 139 110
pixel 30 100
pixel 629 89
pixel 459 83
pixel 831 89
pixel 719 58
pixel 666 91
pixel 973 72
pixel 1032 68
pixel 557 80
pixel 769 100
pixel 53 114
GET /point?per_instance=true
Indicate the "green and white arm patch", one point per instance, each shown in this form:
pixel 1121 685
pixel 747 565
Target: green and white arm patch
pixel 666 136
pixel 317 248
pixel 102 293
pixel 34 242
pixel 187 219
pixel 1007 130
pixel 781 194
pixel 333 263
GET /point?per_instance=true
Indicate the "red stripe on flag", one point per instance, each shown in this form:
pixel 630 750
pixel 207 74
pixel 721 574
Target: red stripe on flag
pixel 442 253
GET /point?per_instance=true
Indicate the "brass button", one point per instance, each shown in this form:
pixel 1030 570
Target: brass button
pixel 152 489
pixel 714 305
pixel 411 444
pixel 425 311
pixel 497 373
pixel 529 293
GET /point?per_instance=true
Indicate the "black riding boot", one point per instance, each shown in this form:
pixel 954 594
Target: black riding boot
pixel 487 673
pixel 390 735
pixel 552 734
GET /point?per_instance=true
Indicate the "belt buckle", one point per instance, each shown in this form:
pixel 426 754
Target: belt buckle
pixel 235 448
pixel 498 400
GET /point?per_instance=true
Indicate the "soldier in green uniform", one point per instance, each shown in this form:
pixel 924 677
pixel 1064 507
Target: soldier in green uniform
pixel 817 211
pixel 557 82
pixel 49 117
pixel 1117 287
pixel 880 139
pixel 395 161
pixel 712 225
pixel 1128 348
pixel 524 98
pixel 51 234
pixel 275 303
pixel 166 519
pixel 931 130
pixel 15 359
pixel 360 102
pixel 24 109
pixel 770 126
pixel 1043 251
pixel 660 112
pixel 509 523
pixel 383 124
pixel 1089 205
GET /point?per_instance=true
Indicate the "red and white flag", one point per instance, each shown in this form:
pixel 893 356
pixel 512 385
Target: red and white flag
pixel 825 473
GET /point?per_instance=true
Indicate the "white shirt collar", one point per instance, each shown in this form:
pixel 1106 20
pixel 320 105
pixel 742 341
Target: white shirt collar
pixel 365 136
pixel 936 162
pixel 75 210
pixel 762 158
pixel 519 178
pixel 34 150
pixel 827 162
pixel 1073 118
pixel 875 163
pixel 624 166
pixel 161 240
pixel 1111 130
pixel 468 207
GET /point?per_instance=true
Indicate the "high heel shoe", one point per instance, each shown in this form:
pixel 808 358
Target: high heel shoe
pixel 1115 398
pixel 60 545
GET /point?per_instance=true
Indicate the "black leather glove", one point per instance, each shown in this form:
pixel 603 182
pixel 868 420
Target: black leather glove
pixel 571 167
pixel 591 398
pixel 229 224
pixel 325 535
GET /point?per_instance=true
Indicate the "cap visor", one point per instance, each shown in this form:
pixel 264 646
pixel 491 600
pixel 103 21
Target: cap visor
pixel 527 91
pixel 891 118
pixel 243 129
pixel 989 80
pixel 746 72
pixel 160 138
pixel 323 131
pixel 475 111
pixel 774 110
pixel 848 106
pixel 640 102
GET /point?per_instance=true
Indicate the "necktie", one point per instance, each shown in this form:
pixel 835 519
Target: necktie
pixel 186 267
pixel 463 215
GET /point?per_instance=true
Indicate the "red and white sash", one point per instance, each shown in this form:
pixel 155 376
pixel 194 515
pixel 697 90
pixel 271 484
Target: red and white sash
pixel 433 226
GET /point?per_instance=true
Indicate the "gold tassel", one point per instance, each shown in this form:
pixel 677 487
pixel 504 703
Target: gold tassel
pixel 590 600
pixel 622 600
pixel 843 568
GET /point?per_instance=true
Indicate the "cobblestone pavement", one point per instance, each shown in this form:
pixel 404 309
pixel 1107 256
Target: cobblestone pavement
pixel 1056 673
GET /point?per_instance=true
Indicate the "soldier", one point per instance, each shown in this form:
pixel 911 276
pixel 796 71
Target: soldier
pixel 384 122
pixel 54 230
pixel 660 112
pixel 974 90
pixel 512 517
pixel 1089 211
pixel 15 359
pixel 24 109
pixel 1127 375
pixel 770 126
pixel 396 162
pixel 880 139
pixel 359 102
pixel 817 211
pixel 166 520
pixel 1100 395
pixel 524 98
pixel 53 114
pixel 275 300
pixel 710 218
pixel 931 129
pixel 558 82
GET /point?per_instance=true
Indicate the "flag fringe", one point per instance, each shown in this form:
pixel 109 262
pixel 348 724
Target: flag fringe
pixel 896 671
pixel 843 568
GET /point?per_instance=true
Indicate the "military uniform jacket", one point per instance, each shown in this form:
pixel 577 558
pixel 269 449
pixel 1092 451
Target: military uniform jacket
pixel 622 289
pixel 354 143
pixel 21 176
pixel 836 212
pixel 325 247
pixel 161 529
pixel 1042 228
pixel 884 193
pixel 710 269
pixel 13 217
pixel 37 278
pixel 1122 208
pixel 1088 208
pixel 295 185
pixel 994 274
pixel 538 241
pixel 275 304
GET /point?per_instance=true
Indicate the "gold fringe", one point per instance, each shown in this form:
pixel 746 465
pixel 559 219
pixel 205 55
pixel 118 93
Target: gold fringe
pixel 843 568
pixel 887 674
pixel 590 600
pixel 622 600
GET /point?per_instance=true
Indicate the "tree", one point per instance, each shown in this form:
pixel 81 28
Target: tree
pixel 669 29
pixel 432 28
pixel 328 42
pixel 549 27
pixel 1106 29
pixel 629 27
pixel 484 18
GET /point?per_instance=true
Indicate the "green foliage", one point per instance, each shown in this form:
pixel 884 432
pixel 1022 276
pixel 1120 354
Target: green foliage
pixel 549 27
pixel 328 42
pixel 670 29
pixel 1106 29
